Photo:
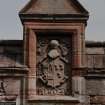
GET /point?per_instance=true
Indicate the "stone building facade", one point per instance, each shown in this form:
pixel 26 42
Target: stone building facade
pixel 53 64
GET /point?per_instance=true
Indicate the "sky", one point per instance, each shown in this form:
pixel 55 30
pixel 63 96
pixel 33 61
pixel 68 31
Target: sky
pixel 11 27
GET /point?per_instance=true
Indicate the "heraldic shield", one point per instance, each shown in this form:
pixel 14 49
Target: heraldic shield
pixel 53 72
pixel 52 66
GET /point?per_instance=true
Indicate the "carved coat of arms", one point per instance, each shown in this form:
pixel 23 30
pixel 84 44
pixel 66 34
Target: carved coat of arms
pixel 53 66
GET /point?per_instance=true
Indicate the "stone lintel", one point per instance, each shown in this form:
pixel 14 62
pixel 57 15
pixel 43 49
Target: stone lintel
pixel 55 99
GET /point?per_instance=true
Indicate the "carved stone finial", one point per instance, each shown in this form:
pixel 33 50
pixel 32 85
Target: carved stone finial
pixel 54 43
pixel 53 52
pixel 4 96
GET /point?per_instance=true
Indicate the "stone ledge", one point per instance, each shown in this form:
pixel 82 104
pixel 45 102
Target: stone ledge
pixel 55 99
pixel 8 98
pixel 97 99
pixel 14 70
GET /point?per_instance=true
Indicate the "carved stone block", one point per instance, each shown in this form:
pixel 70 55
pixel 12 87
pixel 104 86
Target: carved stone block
pixel 10 91
pixel 53 64
pixel 99 61
pixel 89 61
pixel 97 100
pixel 95 87
pixel 95 61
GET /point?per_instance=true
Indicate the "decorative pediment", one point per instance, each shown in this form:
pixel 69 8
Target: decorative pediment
pixel 53 8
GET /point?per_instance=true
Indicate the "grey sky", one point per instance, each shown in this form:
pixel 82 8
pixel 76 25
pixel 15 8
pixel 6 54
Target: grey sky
pixel 11 28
